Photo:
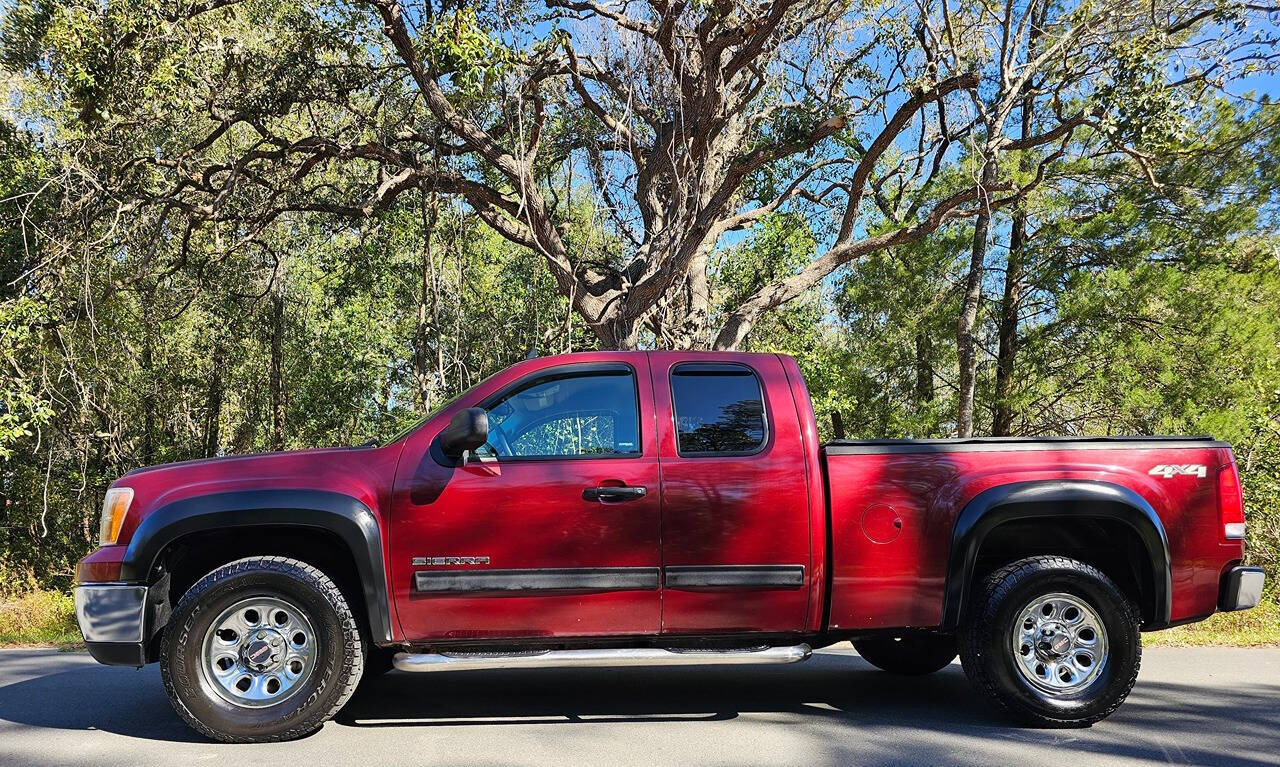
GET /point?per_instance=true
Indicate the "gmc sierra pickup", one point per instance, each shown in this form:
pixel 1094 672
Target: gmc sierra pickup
pixel 630 508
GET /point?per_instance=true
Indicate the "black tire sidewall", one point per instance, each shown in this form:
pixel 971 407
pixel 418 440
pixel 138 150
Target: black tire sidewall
pixel 1123 655
pixel 302 711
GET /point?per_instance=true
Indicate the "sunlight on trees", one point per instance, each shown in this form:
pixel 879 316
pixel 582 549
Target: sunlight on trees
pixel 239 225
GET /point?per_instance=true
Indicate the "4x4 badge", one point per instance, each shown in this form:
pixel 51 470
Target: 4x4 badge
pixel 1171 470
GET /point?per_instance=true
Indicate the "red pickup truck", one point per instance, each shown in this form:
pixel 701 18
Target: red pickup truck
pixel 625 508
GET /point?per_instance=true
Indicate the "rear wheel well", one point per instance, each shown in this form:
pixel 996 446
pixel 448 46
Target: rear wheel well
pixel 1110 545
pixel 189 558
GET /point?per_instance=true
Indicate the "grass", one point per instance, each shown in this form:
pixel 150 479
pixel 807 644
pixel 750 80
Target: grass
pixel 1258 627
pixel 39 619
pixel 47 618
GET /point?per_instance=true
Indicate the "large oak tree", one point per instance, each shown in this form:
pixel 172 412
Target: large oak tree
pixel 675 123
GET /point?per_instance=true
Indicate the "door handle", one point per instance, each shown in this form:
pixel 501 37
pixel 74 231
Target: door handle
pixel 613 494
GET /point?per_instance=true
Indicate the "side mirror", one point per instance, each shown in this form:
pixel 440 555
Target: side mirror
pixel 467 430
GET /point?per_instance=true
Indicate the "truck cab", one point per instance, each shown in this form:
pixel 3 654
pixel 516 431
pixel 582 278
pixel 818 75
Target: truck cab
pixel 615 495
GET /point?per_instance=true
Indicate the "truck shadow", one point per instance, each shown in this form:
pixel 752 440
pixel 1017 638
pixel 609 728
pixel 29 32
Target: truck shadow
pixel 835 697
pixel 123 701
pixel 829 685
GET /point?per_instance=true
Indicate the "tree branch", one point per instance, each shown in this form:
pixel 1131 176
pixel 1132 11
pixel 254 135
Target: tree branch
pixel 739 322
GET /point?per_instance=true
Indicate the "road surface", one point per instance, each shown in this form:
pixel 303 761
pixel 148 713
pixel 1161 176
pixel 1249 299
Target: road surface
pixel 1191 706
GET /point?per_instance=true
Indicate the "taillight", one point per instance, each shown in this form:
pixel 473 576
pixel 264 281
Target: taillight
pixel 1231 502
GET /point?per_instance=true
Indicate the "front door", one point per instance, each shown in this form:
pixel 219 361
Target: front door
pixel 551 528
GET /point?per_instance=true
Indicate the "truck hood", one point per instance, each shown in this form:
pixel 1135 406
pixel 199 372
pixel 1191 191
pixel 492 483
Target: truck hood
pixel 248 461
pixel 364 473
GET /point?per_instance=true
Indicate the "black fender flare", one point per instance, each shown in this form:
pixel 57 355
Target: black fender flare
pixel 349 519
pixel 1054 499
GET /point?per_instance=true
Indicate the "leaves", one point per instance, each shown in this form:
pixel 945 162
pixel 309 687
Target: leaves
pixel 230 227
pixel 458 46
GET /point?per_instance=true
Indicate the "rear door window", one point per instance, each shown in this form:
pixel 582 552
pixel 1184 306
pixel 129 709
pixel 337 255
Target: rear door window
pixel 719 410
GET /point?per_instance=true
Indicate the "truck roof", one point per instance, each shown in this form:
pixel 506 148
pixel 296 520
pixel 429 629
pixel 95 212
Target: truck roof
pixel 631 353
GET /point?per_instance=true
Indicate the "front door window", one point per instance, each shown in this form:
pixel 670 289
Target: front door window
pixel 571 416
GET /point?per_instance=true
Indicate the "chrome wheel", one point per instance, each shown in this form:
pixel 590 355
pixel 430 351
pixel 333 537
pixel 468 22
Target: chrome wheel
pixel 1059 643
pixel 258 652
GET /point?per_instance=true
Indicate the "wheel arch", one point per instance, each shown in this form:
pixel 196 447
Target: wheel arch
pixel 341 517
pixel 1057 500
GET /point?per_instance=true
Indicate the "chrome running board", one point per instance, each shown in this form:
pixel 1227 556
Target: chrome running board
pixel 628 656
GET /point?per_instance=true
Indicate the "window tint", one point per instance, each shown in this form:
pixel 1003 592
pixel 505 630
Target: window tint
pixel 566 416
pixel 718 409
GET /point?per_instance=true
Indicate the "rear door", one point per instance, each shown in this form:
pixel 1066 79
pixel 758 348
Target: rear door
pixel 735 524
pixel 552 530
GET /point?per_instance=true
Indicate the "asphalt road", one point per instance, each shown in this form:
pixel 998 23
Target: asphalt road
pixel 1191 706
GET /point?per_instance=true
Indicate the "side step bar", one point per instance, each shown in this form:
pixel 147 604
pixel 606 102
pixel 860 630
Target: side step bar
pixel 628 656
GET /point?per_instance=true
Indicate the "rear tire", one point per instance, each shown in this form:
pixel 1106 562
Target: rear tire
pixel 912 655
pixel 261 649
pixel 1053 641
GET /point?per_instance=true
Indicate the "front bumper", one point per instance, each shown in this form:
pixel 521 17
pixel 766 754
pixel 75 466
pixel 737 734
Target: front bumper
pixel 112 618
pixel 1241 589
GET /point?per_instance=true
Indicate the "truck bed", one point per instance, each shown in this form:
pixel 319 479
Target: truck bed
pixel 895 504
pixel 869 446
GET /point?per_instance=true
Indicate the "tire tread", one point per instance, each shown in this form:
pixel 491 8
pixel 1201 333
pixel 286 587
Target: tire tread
pixel 351 665
pixel 995 588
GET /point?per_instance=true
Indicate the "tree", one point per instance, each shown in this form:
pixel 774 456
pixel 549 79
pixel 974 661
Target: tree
pixel 686 121
pixel 233 226
pixel 1123 77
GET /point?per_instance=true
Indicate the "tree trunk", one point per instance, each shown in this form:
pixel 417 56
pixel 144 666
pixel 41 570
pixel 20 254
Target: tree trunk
pixel 213 403
pixel 924 369
pixel 696 306
pixel 732 333
pixel 276 382
pixel 966 348
pixel 617 333
pixel 426 365
pixel 1011 301
pixel 1010 306
pixel 148 383
pixel 681 322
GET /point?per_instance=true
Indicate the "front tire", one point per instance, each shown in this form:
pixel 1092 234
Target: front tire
pixel 1053 641
pixel 261 649
pixel 914 655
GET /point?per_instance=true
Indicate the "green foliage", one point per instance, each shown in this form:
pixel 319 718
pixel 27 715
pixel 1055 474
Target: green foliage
pixel 460 46
pixel 22 406
pixel 127 338
pixel 1250 628
pixel 778 247
pixel 1135 99
pixel 39 618
pixel 897 311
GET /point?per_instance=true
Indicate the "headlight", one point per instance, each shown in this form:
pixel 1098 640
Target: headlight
pixel 114 508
